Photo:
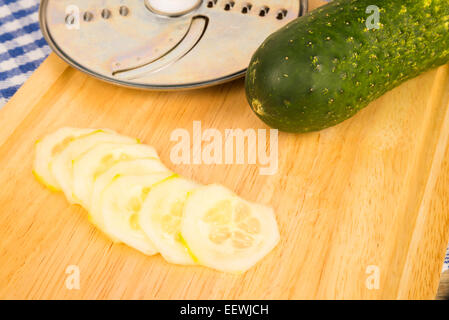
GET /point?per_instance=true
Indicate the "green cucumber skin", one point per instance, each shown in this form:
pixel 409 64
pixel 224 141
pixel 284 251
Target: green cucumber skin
pixel 321 69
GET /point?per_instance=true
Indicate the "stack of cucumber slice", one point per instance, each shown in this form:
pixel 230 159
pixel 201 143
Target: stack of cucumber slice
pixel 134 199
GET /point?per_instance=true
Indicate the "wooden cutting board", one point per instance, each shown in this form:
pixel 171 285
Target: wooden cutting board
pixel 365 200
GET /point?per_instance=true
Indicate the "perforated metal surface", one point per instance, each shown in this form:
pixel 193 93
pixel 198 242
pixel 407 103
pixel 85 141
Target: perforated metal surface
pixel 124 42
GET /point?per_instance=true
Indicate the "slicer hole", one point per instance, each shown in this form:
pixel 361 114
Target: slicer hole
pixel 228 6
pixel 124 11
pixel 246 8
pixel 69 19
pixel 88 16
pixel 105 13
pixel 264 11
pixel 281 14
pixel 211 3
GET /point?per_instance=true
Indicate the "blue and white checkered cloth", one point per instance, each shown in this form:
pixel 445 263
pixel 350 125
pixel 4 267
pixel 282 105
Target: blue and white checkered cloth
pixel 22 49
pixel 446 261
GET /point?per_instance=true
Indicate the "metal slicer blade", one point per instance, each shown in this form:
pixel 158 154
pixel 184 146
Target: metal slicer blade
pixel 163 44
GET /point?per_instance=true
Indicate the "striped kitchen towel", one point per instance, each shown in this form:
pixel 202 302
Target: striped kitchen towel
pixel 22 47
pixel 446 261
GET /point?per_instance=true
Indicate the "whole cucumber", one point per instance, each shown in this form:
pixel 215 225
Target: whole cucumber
pixel 320 69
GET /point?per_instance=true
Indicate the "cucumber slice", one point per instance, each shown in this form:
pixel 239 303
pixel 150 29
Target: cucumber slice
pixel 120 203
pixel 225 232
pixel 98 160
pixel 131 167
pixel 161 215
pixel 62 164
pixel 50 146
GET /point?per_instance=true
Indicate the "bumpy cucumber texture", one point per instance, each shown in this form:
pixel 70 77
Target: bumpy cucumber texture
pixel 321 69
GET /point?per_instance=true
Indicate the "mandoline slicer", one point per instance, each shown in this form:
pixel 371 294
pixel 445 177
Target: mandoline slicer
pixel 163 44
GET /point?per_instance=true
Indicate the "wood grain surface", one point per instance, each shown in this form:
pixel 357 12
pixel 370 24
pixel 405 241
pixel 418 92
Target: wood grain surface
pixel 443 288
pixel 369 195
